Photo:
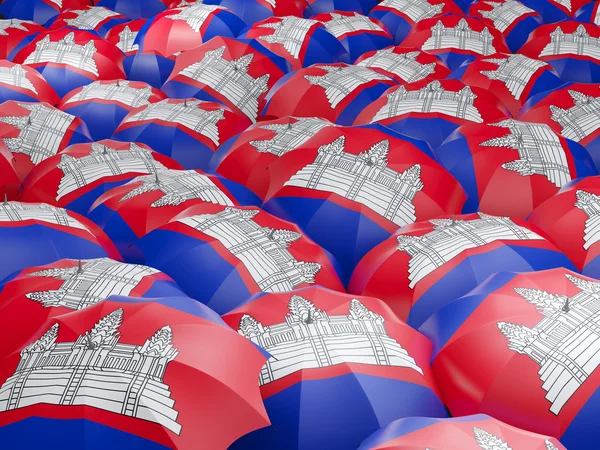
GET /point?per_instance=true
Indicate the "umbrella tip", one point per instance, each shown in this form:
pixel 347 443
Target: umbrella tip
pixel 453 220
pixel 5 199
pixel 156 179
pixel 118 83
pixel 566 307
pixel 79 266
pixel 185 102
pixel 28 120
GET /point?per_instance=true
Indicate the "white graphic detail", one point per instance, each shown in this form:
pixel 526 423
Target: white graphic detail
pixel 262 250
pixel 450 238
pixel 577 43
pixel 89 282
pixel 415 10
pixel 186 114
pixel 99 371
pixel 550 445
pixel 41 132
pixel 89 19
pixel 178 186
pixel 16 24
pixel 488 441
pixel 290 32
pixel 590 204
pixel 540 151
pixel 514 71
pixel 565 343
pixel 339 25
pixel 17 212
pixel 230 79
pixel 65 51
pixel 289 136
pixel 56 2
pixel 363 178
pixel 309 338
pixel 432 98
pixel 120 91
pixel 195 14
pixel 581 120
pixel 340 81
pixel 564 3
pixel 461 37
pixel 403 65
pixel 16 76
pixel 505 13
pixel 103 161
pixel 126 40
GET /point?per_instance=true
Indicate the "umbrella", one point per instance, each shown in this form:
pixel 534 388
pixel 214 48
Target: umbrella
pixel 509 167
pixel 221 255
pixel 138 372
pixel 302 42
pixel 124 35
pixel 432 110
pixel 14 34
pixel 476 432
pixel 72 58
pixel 536 367
pixel 102 105
pixel 134 9
pixel 246 157
pixel 39 11
pixel 24 84
pixel 128 212
pixel 90 18
pixel 429 264
pixel 78 175
pixel 336 92
pixel 34 234
pixel 237 73
pixel 187 130
pixel 326 6
pixel 350 188
pixel 152 68
pixel 339 368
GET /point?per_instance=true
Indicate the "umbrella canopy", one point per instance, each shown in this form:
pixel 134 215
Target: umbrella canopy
pixel 24 84
pixel 222 255
pixel 12 178
pixel 456 39
pixel 553 11
pixel 339 368
pixel 78 175
pixel 236 73
pixel 588 13
pixel 509 167
pixel 476 432
pixel 90 18
pixel 536 367
pixel 427 265
pixel 349 188
pixel 432 110
pixel 102 105
pixel 128 212
pixel 246 157
pixel 302 42
pixel 72 58
pixel 357 33
pixel 152 68
pixel 139 372
pixel 134 9
pixel 124 35
pixel 34 234
pixel 39 11
pixel 16 33
pixel 326 6
pixel 187 130
pixel 336 92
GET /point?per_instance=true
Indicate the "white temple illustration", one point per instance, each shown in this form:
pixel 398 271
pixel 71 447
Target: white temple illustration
pixel 89 282
pixel 577 43
pixel 449 238
pixel 97 370
pixel 364 178
pixel 489 441
pixel 403 65
pixel 127 40
pixel 590 204
pixel 17 24
pixel 194 14
pixel 504 13
pixel 461 37
pixel 65 51
pixel 187 114
pixel 178 186
pixel 103 161
pixel 514 71
pixel 309 338
pixel 41 131
pixel 90 18
pixel 56 2
pixel 262 250
pixel 340 24
pixel 341 81
pixel 41 212
pixel 16 76
pixel 415 10
pixel 119 91
pixel 565 343
pixel 289 136
pixel 290 32
pixel 432 98
pixel 540 151
pixel 580 120
pixel 231 79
